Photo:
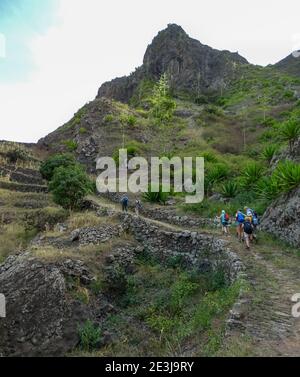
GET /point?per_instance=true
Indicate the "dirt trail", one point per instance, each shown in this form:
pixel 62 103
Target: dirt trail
pixel 274 277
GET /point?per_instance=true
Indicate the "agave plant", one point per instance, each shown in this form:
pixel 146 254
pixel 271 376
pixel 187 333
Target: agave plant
pixel 287 175
pixel 269 152
pixel 252 173
pixel 215 174
pixel 267 188
pixel 156 197
pixel 229 189
pixel 290 131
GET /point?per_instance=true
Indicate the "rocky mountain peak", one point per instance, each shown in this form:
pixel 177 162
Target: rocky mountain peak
pixel 192 68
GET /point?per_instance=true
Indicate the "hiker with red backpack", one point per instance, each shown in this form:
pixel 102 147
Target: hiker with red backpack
pixel 225 222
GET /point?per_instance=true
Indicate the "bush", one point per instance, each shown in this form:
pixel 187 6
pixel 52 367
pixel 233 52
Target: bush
pixel 128 120
pixel 89 336
pixel 69 186
pixel 108 118
pixel 48 167
pixel 17 154
pixel 210 157
pixel 71 145
pixel 133 150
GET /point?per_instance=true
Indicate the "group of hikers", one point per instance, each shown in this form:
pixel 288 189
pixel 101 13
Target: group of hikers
pixel 125 202
pixel 246 224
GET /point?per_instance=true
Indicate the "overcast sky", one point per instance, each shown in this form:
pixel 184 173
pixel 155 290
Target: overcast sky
pixel 54 54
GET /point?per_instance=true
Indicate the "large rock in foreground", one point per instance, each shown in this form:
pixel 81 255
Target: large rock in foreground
pixel 41 319
pixel 282 219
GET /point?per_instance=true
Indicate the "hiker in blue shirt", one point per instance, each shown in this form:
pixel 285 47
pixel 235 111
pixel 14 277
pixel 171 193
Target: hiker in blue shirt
pixel 225 222
pixel 240 219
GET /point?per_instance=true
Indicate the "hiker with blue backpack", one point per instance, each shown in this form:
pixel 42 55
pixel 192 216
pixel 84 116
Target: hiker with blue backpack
pixel 240 219
pixel 124 203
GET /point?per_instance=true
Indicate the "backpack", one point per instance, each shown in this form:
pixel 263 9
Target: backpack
pixel 240 217
pixel 248 228
pixel 226 217
pixel 125 200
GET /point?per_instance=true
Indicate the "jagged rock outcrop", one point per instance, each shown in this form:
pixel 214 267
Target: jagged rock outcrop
pixel 282 218
pixel 290 64
pixel 192 67
pixel 41 319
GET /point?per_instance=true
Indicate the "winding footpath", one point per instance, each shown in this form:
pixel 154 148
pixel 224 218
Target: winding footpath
pixel 273 273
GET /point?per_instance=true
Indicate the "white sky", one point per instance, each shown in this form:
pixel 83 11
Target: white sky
pixel 97 40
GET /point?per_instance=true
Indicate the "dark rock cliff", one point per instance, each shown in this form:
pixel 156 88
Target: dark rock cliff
pixel 192 67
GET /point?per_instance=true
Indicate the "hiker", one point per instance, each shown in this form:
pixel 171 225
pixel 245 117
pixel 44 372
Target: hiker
pixel 138 207
pixel 249 213
pixel 248 231
pixel 240 219
pixel 124 202
pixel 255 220
pixel 225 222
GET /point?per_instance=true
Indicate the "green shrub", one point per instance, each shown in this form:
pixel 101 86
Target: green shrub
pixel 182 289
pixel 132 151
pixel 128 120
pixel 69 186
pixel 210 157
pixel 71 145
pixel 48 167
pixel 17 154
pixel 109 118
pixel 89 336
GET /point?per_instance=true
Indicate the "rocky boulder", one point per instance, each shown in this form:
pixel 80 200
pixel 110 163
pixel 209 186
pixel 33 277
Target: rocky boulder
pixel 282 218
pixel 41 319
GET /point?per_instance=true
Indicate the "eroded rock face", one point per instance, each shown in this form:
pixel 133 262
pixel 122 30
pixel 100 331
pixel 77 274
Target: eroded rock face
pixel 190 65
pixel 282 218
pixel 41 320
